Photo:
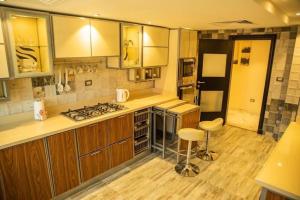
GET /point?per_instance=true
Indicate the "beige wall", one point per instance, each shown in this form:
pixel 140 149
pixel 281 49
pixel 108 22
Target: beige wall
pixel 167 84
pixel 247 82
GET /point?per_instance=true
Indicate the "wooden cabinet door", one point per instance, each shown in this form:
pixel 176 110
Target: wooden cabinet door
pixel 72 36
pixel 92 137
pixel 94 164
pixel 64 163
pixel 120 128
pixel 155 36
pixel 193 44
pixel 105 38
pixel 155 56
pixel 24 172
pixel 121 151
pixel 190 120
pixel 184 43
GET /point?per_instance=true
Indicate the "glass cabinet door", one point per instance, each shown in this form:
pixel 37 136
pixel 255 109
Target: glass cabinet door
pixel 131 50
pixel 30 43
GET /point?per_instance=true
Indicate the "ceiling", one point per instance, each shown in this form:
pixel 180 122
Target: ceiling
pixel 195 14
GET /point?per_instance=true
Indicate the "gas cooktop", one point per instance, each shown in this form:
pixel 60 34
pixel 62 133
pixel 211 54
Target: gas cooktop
pixel 88 112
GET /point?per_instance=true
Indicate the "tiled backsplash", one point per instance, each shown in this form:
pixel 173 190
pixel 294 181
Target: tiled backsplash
pixel 104 83
pixel 281 105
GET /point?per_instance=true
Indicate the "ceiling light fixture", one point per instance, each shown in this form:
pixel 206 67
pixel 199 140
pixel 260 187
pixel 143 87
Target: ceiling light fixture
pixel 97 15
pixel 298 13
pixel 2 0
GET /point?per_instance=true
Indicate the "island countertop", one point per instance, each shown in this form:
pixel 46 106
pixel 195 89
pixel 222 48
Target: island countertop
pixel 19 133
pixel 281 172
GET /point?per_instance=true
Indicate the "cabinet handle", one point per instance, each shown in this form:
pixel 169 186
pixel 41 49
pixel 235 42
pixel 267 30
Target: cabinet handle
pixel 122 142
pixel 92 125
pixel 122 116
pixel 95 153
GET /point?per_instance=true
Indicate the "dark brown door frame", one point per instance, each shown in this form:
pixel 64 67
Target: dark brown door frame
pixel 271 37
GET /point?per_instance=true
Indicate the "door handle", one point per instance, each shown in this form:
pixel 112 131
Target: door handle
pixel 185 88
pixel 201 82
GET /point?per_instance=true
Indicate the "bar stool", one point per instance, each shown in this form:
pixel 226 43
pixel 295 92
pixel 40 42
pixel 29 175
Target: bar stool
pixel 187 168
pixel 209 127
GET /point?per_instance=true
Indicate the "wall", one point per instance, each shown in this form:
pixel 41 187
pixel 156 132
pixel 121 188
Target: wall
pixel 105 81
pixel 279 112
pixel 167 84
pixel 248 81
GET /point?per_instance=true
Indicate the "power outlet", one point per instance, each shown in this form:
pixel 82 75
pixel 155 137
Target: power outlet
pixel 252 100
pixel 88 82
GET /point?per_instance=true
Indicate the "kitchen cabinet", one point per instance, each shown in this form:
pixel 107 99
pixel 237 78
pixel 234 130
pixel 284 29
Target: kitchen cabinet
pixel 121 152
pixel 155 46
pixel 24 172
pixel 94 164
pixel 155 37
pixel 120 128
pixel 190 120
pixel 155 56
pixel 105 38
pixel 64 161
pixel 4 73
pixel 30 43
pixel 131 45
pixel 91 138
pixel 188 43
pixel 72 36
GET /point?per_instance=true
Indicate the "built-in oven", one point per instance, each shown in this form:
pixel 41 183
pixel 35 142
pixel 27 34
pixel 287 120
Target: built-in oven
pixel 186 66
pixel 188 93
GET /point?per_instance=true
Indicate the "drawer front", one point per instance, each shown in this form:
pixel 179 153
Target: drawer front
pixel 92 137
pixel 121 152
pixel 94 164
pixel 120 128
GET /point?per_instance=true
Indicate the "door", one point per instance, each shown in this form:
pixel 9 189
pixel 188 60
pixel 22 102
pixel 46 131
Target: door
pixel 64 164
pixel 213 77
pixel 24 172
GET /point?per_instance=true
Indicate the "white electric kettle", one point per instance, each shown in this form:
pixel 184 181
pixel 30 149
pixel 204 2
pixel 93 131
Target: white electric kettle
pixel 122 95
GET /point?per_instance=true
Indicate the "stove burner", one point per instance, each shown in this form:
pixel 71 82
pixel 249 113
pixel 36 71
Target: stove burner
pixel 88 112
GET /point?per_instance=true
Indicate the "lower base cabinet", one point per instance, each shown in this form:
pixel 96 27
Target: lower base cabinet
pixel 24 172
pixel 64 161
pixel 94 164
pixel 121 152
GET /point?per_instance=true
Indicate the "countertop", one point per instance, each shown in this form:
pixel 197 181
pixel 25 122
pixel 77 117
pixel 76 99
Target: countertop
pixel 170 104
pixel 281 172
pixel 180 110
pixel 22 132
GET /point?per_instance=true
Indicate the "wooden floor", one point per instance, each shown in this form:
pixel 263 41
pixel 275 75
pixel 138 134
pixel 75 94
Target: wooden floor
pixel 231 176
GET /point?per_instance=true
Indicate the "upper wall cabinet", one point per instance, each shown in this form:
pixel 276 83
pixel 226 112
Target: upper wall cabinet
pixel 72 36
pixel 29 42
pixel 84 37
pixel 155 46
pixel 105 36
pixel 3 59
pixel 131 38
pixel 188 43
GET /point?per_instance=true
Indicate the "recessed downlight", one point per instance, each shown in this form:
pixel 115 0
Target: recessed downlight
pixel 2 0
pixel 97 14
pixel 298 13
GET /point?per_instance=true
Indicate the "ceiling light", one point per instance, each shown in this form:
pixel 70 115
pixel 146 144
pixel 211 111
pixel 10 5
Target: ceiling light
pixel 298 13
pixel 149 22
pixel 97 15
pixel 2 0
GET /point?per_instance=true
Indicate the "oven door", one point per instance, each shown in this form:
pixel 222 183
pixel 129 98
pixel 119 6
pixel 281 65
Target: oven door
pixel 188 69
pixel 187 93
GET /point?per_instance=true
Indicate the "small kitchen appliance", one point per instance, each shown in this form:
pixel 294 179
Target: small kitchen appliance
pixel 122 95
pixel 39 110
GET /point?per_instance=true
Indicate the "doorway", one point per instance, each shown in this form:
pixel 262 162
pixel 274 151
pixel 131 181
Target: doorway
pixel 248 77
pixel 219 60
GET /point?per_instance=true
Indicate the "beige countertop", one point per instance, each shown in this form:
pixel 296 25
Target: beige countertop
pixel 21 132
pixel 170 104
pixel 180 110
pixel 281 172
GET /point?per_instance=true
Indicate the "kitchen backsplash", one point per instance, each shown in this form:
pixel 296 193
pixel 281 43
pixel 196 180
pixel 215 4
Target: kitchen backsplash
pixel 104 81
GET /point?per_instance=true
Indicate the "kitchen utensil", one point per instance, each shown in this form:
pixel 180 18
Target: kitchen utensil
pixel 122 95
pixel 60 87
pixel 67 86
